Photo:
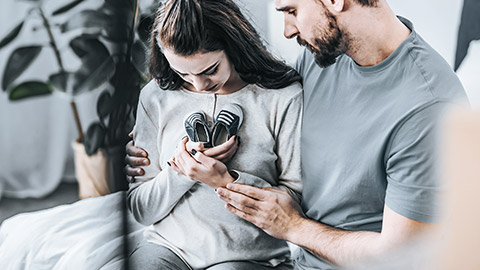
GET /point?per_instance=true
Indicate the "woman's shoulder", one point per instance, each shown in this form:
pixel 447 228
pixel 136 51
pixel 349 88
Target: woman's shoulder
pixel 152 93
pixel 150 90
pixel 289 92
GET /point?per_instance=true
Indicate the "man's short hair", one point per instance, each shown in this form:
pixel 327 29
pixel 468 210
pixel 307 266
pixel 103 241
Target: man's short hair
pixel 367 3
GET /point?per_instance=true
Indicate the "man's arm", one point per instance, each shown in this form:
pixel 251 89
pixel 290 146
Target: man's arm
pixel 279 215
pixel 342 247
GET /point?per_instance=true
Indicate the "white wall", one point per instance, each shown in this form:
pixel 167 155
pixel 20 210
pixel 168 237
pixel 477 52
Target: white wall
pixel 437 21
pixel 27 140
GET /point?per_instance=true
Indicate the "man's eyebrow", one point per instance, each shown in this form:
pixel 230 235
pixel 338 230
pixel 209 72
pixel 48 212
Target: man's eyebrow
pixel 285 8
pixel 201 73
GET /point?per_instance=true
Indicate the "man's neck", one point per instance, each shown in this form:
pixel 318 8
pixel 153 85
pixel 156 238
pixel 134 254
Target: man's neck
pixel 375 34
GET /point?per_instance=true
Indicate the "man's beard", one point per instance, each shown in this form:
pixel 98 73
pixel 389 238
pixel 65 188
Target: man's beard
pixel 328 44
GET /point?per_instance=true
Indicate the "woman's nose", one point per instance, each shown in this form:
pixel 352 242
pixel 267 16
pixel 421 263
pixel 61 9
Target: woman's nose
pixel 199 83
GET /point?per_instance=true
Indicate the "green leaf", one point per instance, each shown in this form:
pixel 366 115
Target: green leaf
pixel 105 104
pixel 60 80
pixel 128 4
pixel 18 62
pixel 94 138
pixel 97 65
pixel 89 46
pixel 96 76
pixel 120 14
pixel 67 7
pixel 30 89
pixel 139 57
pixel 11 35
pixel 85 19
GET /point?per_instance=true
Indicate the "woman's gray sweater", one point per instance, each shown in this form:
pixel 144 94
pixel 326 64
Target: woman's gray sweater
pixel 187 216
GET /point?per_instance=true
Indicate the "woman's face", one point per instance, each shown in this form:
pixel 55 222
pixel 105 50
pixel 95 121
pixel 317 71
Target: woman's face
pixel 209 72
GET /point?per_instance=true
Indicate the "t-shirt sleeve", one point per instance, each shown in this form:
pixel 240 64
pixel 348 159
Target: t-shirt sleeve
pixel 411 166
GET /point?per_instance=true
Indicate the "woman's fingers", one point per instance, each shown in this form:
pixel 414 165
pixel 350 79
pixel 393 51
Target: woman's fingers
pixel 175 167
pixel 197 146
pixel 225 157
pixel 225 151
pixel 184 159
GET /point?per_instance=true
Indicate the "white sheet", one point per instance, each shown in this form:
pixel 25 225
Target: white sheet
pixel 83 235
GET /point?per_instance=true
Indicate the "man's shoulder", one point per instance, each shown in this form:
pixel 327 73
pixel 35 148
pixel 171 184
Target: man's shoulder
pixel 440 79
pixel 292 91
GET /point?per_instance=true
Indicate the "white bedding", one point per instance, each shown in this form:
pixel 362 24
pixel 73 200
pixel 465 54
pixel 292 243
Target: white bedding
pixel 83 235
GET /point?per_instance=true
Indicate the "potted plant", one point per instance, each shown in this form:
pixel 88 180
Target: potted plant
pixel 111 47
pixel 123 29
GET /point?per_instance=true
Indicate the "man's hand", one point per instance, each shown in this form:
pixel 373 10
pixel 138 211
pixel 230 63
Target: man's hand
pixel 278 215
pixel 135 158
pixel 200 167
pixel 272 210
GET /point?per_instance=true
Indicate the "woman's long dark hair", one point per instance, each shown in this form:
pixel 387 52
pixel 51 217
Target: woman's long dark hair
pixel 191 26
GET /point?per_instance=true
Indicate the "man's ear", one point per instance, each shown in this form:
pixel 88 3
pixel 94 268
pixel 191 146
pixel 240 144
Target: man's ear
pixel 337 5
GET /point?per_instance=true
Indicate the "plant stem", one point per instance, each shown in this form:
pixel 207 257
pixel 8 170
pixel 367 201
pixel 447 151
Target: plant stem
pixel 77 121
pixel 62 70
pixel 52 41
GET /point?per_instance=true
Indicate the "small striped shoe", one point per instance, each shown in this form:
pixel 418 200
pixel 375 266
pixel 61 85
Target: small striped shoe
pixel 197 128
pixel 227 123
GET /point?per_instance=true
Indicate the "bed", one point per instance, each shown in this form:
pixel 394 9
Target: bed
pixel 87 234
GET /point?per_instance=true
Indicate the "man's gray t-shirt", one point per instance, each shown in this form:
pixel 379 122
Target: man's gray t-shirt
pixel 368 137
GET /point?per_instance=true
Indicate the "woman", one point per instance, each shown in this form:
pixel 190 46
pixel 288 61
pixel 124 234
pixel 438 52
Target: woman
pixel 205 55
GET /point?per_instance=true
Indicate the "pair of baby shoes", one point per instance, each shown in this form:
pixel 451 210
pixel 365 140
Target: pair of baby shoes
pixel 227 123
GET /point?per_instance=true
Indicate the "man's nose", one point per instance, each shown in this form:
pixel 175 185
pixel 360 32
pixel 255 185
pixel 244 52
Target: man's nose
pixel 290 30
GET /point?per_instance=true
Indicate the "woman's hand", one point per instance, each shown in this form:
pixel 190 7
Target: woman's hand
pixel 223 152
pixel 200 167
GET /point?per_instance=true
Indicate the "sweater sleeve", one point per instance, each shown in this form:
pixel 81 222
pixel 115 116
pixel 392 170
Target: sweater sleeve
pixel 287 136
pixel 154 195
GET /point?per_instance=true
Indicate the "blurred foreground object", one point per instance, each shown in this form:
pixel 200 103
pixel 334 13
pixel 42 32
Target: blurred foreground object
pixel 455 243
pixel 460 241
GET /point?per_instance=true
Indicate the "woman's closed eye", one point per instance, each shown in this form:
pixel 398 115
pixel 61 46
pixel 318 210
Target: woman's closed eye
pixel 212 72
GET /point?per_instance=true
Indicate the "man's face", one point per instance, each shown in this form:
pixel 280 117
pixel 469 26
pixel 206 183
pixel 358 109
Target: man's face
pixel 315 27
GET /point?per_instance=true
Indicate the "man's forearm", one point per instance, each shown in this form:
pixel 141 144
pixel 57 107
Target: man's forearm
pixel 338 247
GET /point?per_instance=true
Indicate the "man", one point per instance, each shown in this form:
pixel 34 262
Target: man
pixel 374 91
